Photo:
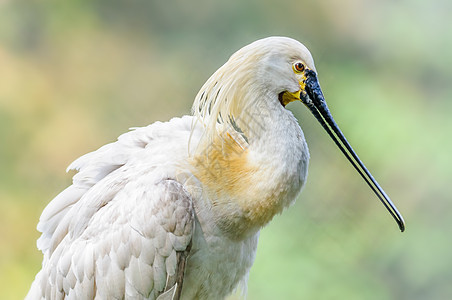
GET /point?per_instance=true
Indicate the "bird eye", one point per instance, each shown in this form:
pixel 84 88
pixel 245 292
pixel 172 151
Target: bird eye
pixel 299 67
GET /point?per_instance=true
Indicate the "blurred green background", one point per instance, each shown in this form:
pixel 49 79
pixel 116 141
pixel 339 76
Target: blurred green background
pixel 76 74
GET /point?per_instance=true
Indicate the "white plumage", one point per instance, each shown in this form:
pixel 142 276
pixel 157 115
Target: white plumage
pixel 174 209
pixel 117 229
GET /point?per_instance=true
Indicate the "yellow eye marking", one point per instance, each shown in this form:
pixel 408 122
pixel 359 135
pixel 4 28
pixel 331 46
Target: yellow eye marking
pixel 302 81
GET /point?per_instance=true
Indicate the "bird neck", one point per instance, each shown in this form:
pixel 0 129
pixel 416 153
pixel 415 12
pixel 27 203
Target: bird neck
pixel 253 173
pixel 269 128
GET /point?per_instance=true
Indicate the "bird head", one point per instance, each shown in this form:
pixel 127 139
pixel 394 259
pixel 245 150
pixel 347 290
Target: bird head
pixel 259 74
pixel 274 72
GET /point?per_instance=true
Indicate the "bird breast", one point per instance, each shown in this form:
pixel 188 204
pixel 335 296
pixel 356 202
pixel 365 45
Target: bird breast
pixel 246 185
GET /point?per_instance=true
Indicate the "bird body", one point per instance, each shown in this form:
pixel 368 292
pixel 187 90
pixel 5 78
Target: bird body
pixel 173 210
pixel 113 217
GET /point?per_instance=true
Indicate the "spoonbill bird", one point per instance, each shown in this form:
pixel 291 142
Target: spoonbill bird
pixel 173 210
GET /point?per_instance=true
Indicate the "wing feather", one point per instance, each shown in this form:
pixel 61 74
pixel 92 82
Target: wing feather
pixel 120 229
pixel 112 266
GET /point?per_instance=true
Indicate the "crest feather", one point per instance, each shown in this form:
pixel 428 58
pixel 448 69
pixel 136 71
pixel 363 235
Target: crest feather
pixel 221 101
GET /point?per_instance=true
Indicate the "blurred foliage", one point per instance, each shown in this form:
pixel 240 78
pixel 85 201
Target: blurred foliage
pixel 76 74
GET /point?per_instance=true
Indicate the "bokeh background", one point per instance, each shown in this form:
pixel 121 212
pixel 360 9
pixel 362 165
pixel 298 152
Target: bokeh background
pixel 76 74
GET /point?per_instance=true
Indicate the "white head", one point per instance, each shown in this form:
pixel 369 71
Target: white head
pixel 261 71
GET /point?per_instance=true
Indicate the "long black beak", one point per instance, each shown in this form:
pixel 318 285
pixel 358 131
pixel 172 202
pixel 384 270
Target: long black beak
pixel 314 100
